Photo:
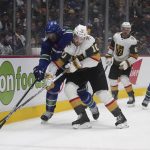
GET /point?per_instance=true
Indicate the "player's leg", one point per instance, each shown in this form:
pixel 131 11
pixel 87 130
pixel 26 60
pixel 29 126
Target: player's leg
pixel 112 106
pixel 129 89
pixel 147 98
pixel 114 88
pixel 113 80
pixel 100 87
pixel 51 99
pixel 71 92
pixel 87 99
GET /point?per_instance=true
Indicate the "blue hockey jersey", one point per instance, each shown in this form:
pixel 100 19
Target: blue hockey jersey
pixel 51 51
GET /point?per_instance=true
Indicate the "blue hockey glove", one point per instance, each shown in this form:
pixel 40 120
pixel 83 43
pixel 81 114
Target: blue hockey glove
pixel 39 73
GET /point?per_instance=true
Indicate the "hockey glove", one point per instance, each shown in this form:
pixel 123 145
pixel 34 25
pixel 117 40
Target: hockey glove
pixel 73 66
pixel 49 83
pixel 124 65
pixel 38 73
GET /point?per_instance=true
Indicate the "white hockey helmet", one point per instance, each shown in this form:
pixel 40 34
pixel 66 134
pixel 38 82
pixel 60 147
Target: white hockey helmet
pixel 81 31
pixel 126 25
pixel 126 28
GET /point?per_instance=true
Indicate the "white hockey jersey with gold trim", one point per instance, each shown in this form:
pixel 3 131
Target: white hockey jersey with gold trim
pixel 121 50
pixel 81 49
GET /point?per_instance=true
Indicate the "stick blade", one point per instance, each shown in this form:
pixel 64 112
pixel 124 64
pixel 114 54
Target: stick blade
pixel 1 125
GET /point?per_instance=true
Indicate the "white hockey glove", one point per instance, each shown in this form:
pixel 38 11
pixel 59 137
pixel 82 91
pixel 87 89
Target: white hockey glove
pixel 124 65
pixel 73 66
pixel 108 61
pixel 49 83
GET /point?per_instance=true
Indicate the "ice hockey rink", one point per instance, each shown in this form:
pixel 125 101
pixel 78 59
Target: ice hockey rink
pixel 58 134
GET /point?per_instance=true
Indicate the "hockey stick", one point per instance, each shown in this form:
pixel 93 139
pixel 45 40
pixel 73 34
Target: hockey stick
pixel 3 121
pixel 106 68
pixel 41 90
pixel 20 100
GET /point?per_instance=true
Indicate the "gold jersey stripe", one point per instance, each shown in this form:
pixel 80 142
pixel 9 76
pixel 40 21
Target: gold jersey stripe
pixel 59 63
pixel 114 88
pixel 96 57
pixel 129 88
pixel 112 106
pixel 75 102
pixel 134 55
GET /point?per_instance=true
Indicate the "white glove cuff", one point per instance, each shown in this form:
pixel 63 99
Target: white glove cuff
pixel 131 60
pixel 52 68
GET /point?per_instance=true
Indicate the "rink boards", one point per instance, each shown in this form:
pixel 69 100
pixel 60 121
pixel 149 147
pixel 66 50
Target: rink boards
pixel 16 77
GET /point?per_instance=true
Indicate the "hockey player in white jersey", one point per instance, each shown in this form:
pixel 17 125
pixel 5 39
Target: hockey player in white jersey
pixel 122 53
pixel 86 66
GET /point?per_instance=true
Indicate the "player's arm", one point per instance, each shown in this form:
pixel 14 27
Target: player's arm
pixel 109 54
pixel 110 49
pixel 65 57
pixel 45 58
pixel 91 56
pixel 60 60
pixel 132 57
pixel 133 54
pixel 39 70
pixel 65 40
pixel 91 52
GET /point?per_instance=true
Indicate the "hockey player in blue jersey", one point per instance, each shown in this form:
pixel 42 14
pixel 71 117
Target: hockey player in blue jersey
pixel 147 98
pixel 51 49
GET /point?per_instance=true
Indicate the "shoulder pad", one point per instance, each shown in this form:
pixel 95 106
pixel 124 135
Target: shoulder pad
pixel 117 33
pixel 90 39
pixel 133 39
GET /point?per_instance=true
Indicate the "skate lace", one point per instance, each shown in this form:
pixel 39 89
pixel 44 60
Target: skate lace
pixel 79 116
pixel 146 101
pixel 48 114
pixel 119 118
pixel 131 99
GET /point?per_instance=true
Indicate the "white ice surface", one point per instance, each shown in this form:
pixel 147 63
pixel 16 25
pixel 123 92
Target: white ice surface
pixel 58 134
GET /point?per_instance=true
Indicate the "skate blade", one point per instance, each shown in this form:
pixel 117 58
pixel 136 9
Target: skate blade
pixel 44 122
pixel 86 125
pixel 122 125
pixel 131 105
pixel 144 107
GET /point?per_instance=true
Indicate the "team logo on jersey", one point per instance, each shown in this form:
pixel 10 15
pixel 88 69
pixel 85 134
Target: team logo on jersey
pixel 119 50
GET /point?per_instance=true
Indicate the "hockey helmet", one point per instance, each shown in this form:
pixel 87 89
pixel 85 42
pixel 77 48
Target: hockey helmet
pixel 126 28
pixel 52 27
pixel 81 31
pixel 126 25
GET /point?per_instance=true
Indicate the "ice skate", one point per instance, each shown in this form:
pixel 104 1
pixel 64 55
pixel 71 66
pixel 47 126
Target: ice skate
pixel 145 103
pixel 121 122
pixel 82 122
pixel 95 112
pixel 131 102
pixel 46 116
